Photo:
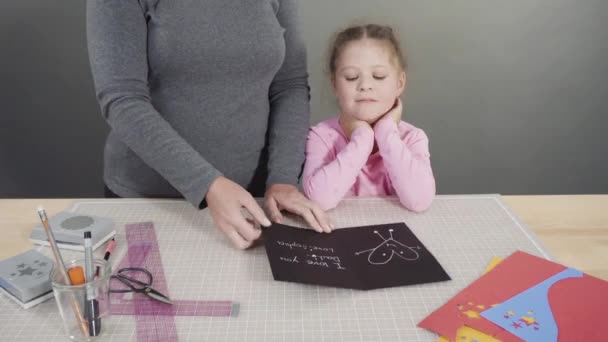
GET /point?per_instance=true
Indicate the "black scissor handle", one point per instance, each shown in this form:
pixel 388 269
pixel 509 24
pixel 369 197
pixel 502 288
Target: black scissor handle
pixel 122 273
pixel 129 281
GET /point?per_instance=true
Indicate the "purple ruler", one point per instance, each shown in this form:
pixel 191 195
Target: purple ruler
pixel 155 320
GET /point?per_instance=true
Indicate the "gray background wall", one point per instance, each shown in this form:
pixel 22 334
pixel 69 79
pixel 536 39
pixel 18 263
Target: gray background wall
pixel 511 94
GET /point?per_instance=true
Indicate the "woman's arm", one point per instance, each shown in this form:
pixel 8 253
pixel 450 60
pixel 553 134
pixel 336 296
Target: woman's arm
pixel 408 164
pixel 327 179
pixel 289 120
pixel 289 103
pixel 117 42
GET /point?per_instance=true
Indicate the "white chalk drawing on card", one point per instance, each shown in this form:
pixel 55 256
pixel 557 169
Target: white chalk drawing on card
pixel 390 247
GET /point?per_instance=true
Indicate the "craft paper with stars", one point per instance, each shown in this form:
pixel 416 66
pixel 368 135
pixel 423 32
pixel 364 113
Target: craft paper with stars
pixel 536 300
pixel 468 334
pixel 367 257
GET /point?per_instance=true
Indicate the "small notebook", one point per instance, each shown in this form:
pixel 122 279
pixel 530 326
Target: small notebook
pixel 24 278
pixel 68 229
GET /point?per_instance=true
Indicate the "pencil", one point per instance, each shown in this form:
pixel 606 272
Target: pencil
pixel 61 267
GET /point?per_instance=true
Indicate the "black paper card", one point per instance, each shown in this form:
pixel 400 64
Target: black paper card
pixel 368 257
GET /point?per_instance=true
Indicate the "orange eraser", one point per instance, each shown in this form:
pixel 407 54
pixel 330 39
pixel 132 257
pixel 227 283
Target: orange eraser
pixel 76 275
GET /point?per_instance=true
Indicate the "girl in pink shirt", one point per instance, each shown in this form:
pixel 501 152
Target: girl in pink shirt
pixel 368 150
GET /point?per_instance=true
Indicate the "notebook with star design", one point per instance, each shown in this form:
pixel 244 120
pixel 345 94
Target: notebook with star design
pixel 24 278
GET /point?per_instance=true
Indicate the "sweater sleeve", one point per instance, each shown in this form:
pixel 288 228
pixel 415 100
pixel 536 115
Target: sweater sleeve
pixel 328 177
pixel 289 103
pixel 408 164
pixel 117 44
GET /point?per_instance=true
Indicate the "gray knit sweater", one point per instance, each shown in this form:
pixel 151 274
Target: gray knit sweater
pixel 195 89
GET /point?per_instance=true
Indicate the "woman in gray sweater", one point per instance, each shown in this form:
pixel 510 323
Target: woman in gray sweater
pixel 206 100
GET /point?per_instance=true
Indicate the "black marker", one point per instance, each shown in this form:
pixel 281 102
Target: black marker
pixel 91 307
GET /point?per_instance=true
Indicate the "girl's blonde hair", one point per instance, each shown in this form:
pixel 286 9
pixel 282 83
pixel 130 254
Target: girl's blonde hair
pixel 372 31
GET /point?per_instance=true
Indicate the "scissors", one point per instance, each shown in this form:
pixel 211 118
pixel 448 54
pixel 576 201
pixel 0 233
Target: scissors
pixel 144 287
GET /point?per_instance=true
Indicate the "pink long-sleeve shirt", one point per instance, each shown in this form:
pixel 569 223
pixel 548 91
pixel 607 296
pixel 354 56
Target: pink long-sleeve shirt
pixel 337 167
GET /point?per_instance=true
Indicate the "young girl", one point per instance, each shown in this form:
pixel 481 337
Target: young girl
pixel 368 150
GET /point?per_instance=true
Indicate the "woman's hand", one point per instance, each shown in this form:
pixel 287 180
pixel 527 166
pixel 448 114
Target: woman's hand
pixel 226 200
pixel 288 197
pixel 350 124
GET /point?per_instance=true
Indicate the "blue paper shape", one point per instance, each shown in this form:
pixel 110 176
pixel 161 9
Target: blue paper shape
pixel 528 315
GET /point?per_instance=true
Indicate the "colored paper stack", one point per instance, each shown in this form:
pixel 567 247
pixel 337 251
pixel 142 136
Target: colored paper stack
pixel 525 298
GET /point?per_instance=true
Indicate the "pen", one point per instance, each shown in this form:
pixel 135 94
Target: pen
pixel 109 251
pixel 91 308
pixel 61 267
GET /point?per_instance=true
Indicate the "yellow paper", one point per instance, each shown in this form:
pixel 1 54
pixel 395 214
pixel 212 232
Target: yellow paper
pixel 468 334
pixel 495 261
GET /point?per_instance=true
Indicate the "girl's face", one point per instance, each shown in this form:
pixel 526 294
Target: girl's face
pixel 367 80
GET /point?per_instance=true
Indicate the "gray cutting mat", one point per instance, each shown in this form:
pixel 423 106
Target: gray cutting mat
pixel 463 232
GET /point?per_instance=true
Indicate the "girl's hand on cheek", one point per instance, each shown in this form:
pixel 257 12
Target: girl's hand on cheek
pixel 395 112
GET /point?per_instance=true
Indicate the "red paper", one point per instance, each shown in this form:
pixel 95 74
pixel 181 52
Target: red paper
pixel 578 304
